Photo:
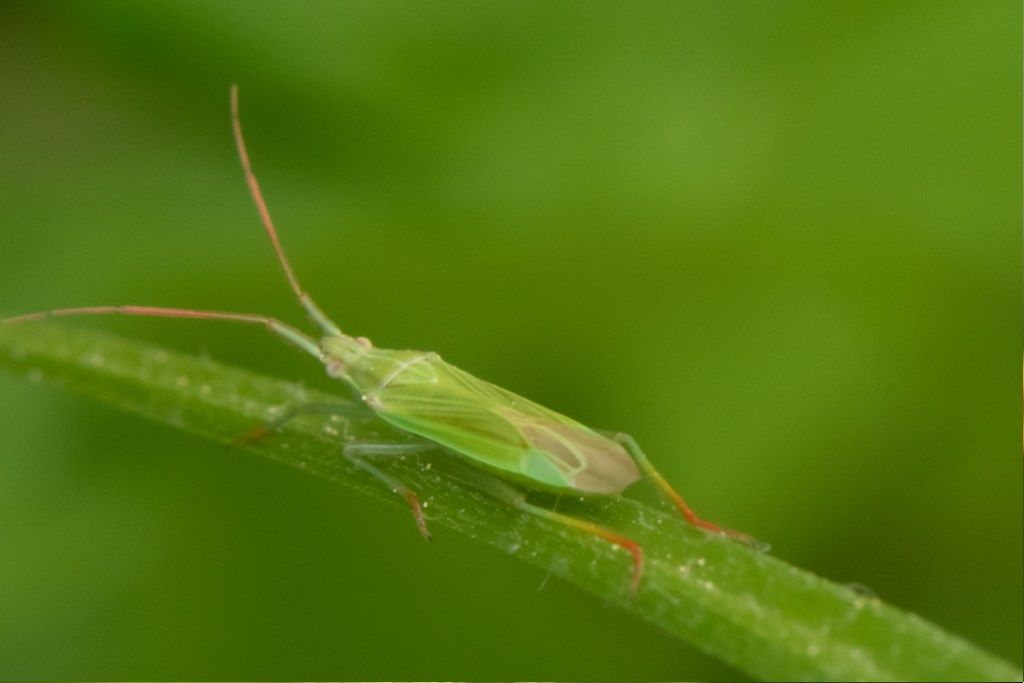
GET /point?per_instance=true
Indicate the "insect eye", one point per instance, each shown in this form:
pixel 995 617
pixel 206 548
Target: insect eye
pixel 335 369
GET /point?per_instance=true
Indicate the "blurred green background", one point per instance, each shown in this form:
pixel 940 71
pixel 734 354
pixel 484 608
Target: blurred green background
pixel 778 242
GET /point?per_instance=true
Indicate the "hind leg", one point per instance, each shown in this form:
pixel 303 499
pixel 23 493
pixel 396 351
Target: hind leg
pixel 517 499
pixel 631 446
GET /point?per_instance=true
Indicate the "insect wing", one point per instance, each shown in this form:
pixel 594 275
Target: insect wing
pixel 501 430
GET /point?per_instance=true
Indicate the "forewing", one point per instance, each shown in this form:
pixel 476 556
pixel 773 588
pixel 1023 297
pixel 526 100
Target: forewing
pixel 444 404
pixel 497 428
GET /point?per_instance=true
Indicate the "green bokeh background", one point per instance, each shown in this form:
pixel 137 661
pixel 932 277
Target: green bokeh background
pixel 778 242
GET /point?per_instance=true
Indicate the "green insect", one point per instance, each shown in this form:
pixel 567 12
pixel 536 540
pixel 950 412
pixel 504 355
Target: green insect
pixel 515 443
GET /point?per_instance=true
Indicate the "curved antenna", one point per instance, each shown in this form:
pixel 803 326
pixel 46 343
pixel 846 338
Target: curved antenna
pixel 305 300
pixel 283 330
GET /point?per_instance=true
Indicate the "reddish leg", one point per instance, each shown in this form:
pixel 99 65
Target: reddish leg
pixel 266 429
pixel 353 452
pixel 516 499
pixel 627 544
pixel 634 449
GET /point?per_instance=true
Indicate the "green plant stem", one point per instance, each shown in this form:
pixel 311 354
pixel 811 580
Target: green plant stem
pixel 767 618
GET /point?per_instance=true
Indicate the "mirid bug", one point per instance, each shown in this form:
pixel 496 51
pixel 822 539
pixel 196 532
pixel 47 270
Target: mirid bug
pixel 516 444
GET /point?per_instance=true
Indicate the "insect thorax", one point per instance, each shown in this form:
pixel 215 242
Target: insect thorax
pixel 368 369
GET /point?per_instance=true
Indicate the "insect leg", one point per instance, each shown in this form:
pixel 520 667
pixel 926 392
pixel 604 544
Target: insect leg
pixel 627 544
pixel 517 499
pixel 630 444
pixel 353 451
pixel 262 431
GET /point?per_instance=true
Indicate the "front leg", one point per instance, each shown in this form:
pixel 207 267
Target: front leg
pixel 353 452
pixel 266 429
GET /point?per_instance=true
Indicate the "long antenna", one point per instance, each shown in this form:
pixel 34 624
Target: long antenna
pixel 307 302
pixel 287 332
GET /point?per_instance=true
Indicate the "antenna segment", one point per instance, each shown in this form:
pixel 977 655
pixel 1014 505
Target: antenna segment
pixel 305 300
